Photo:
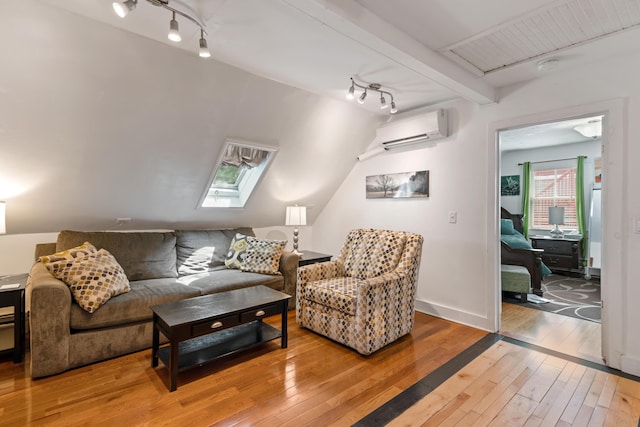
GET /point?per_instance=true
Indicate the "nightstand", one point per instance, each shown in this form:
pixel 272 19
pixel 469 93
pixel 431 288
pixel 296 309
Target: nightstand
pixel 12 290
pixel 309 257
pixel 560 253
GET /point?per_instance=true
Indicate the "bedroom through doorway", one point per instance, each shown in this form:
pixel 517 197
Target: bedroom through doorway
pixel 549 222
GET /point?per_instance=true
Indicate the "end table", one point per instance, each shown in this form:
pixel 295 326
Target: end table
pixel 12 292
pixel 310 257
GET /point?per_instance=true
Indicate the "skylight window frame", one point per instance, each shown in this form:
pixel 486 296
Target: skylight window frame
pixel 226 196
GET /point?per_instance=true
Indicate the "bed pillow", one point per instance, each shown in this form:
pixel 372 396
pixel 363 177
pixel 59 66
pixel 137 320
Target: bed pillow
pixel 506 227
pixel 263 256
pixel 93 278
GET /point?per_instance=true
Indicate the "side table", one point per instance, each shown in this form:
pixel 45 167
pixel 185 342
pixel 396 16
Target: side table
pixel 12 293
pixel 310 257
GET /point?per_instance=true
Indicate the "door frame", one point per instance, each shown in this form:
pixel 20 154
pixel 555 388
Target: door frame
pixel 613 208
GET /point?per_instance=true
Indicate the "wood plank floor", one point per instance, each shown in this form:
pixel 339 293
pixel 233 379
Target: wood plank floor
pixel 316 382
pixel 509 385
pixel 568 335
pixel 313 382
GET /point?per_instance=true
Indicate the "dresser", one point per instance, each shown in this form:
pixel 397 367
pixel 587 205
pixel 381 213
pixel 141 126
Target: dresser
pixel 561 254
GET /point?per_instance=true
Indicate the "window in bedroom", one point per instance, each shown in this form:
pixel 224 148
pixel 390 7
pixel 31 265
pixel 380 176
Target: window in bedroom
pixel 553 187
pixel 236 174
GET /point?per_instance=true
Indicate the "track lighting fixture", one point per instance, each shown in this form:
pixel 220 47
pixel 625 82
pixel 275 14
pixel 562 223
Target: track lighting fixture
pixel 204 50
pixel 350 93
pixel 122 9
pixel 174 30
pixel 376 88
pixel 383 102
pixel 362 97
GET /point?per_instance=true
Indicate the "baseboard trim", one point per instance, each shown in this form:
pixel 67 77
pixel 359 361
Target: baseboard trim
pixel 454 315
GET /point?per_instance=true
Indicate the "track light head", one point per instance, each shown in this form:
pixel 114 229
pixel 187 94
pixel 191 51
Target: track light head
pixel 393 109
pixel 204 50
pixel 350 93
pixel 362 97
pixel 174 30
pixel 122 8
pixel 383 102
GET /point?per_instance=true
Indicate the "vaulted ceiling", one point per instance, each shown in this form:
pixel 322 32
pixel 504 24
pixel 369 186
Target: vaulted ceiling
pixel 103 117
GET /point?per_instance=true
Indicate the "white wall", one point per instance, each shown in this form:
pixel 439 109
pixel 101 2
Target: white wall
pixel 458 278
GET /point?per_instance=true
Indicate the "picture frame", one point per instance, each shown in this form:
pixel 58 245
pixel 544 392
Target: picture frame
pixel 402 185
pixel 510 185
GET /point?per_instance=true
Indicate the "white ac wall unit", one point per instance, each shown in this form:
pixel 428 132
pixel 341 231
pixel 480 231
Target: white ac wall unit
pixel 425 127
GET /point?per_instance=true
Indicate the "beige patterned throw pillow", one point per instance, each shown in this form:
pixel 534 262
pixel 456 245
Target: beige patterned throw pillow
pixel 236 253
pixel 82 250
pixel 263 256
pixel 93 278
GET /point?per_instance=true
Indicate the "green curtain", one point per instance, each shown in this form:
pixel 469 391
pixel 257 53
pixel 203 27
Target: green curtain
pixel 580 217
pixel 526 189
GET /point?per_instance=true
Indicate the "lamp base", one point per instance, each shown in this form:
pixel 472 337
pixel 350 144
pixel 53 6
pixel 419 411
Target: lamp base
pixel 556 232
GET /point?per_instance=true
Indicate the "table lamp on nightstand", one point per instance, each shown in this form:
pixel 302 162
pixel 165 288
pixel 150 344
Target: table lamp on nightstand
pixel 556 217
pixel 296 215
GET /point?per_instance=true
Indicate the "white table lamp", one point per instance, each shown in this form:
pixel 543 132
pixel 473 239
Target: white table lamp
pixel 556 217
pixel 296 215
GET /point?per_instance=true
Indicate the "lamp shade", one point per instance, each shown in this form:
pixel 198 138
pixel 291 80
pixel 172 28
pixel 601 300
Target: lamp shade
pixel 296 215
pixel 3 227
pixel 556 215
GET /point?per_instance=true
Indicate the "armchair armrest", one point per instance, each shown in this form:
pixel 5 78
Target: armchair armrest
pixel 317 271
pixel 531 259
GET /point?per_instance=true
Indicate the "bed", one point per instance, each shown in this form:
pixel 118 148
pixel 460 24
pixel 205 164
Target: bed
pixel 517 250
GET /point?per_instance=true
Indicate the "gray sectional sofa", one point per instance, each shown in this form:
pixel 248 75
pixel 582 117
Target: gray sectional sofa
pixel 161 267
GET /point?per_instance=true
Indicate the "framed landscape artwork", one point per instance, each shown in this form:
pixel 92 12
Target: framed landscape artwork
pixel 398 185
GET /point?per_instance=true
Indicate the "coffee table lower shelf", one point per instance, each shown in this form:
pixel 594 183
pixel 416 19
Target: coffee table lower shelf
pixel 207 348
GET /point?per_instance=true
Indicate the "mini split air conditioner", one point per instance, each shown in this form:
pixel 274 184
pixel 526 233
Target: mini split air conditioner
pixel 425 127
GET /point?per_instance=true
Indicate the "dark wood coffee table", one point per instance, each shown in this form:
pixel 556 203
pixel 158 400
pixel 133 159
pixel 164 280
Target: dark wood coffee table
pixel 205 328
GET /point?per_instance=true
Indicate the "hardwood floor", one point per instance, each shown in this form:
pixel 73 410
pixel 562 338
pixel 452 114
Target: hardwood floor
pixel 575 337
pixel 316 382
pixel 509 385
pixel 313 382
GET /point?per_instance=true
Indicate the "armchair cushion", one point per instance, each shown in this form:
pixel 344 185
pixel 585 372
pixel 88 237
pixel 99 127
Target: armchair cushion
pixel 338 293
pixel 372 254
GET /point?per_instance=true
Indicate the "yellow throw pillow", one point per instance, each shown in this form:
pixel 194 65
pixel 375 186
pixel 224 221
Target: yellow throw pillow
pixel 82 250
pixel 93 278
pixel 263 256
pixel 237 249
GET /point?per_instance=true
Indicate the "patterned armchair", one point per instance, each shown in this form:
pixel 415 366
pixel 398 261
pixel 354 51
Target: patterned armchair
pixel 364 299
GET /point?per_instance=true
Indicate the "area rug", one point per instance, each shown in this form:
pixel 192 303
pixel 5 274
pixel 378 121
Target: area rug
pixel 569 296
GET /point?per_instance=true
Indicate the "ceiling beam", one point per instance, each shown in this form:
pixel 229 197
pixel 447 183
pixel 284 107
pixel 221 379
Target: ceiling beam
pixel 359 24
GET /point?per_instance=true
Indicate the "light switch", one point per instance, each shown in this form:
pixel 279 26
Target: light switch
pixel 453 217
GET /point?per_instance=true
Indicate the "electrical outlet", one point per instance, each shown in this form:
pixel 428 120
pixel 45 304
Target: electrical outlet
pixel 453 217
pixel 121 221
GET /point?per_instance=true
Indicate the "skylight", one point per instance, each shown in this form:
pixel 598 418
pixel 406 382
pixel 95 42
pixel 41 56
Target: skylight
pixel 236 174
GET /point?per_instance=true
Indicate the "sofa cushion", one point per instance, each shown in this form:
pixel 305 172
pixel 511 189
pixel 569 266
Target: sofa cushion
pixel 142 255
pixel 93 278
pixel 84 249
pixel 372 253
pixel 199 251
pixel 338 293
pixel 230 279
pixel 133 306
pixel 263 256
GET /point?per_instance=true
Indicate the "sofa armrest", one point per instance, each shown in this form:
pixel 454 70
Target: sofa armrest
pixel 50 301
pixel 289 268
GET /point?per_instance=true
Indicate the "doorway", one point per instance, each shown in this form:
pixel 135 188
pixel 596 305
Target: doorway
pixel 564 311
